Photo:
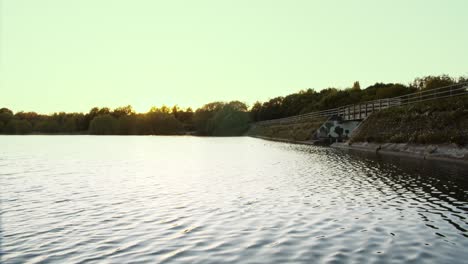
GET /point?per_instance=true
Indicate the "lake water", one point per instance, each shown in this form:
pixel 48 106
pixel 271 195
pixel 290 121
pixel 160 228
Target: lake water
pixel 86 199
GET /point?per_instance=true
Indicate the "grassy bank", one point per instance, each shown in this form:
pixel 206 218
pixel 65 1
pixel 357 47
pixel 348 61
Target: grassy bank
pixel 295 131
pixel 433 122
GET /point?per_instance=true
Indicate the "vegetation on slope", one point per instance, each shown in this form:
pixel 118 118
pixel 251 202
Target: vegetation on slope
pixel 444 121
pixel 310 100
pixel 295 131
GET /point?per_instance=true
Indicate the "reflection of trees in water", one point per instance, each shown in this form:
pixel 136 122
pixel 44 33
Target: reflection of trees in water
pixel 447 177
pixel 438 188
pixel 431 188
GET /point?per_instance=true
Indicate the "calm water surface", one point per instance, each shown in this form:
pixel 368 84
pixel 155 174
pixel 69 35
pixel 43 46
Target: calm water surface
pixel 84 199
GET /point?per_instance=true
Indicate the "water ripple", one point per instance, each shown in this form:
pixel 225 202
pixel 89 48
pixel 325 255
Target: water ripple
pixel 232 200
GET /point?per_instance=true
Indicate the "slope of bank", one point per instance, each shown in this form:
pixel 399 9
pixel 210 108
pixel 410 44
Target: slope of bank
pixel 433 122
pixel 293 131
pixel 434 130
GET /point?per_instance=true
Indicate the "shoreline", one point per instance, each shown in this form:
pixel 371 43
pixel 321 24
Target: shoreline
pixel 287 140
pixel 436 152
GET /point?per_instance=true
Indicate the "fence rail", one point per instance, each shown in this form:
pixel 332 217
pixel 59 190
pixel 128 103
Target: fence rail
pixel 362 110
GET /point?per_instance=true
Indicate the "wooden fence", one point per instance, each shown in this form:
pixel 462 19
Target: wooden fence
pixel 363 110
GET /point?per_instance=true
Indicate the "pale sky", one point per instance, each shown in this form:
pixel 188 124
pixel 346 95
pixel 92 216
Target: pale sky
pixel 71 55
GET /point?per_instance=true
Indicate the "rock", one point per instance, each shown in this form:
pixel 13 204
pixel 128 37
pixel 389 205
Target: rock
pixel 431 149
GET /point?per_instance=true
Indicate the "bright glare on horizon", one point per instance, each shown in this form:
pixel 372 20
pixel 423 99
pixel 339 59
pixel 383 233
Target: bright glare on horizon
pixel 59 55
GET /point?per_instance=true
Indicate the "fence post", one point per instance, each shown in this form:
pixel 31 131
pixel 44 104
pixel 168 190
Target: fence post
pixel 354 111
pixel 360 111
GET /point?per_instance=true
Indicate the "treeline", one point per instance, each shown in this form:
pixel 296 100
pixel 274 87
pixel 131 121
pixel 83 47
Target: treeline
pixel 213 119
pixel 309 100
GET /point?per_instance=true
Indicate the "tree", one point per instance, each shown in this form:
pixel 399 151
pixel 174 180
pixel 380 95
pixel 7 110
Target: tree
pixel 104 111
pixel 184 117
pixel 202 117
pixel 392 91
pixel 356 86
pixel 5 115
pixel 433 82
pixel 162 109
pixel 237 106
pixel 255 111
pixel 103 125
pixel 94 112
pixel 175 110
pixel 230 121
pixel 128 125
pixel 47 126
pixel 69 125
pixel 222 119
pixel 18 127
pixel 90 116
pixel 163 123
pixel 272 109
pixel 123 111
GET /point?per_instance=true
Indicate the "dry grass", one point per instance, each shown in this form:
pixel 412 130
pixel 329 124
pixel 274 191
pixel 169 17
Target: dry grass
pixel 296 131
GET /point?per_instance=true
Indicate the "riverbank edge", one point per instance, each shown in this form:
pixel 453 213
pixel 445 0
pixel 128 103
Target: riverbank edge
pixel 442 152
pixel 285 140
pixel 436 152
